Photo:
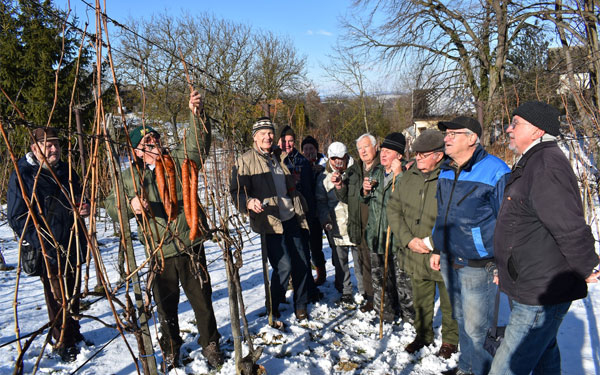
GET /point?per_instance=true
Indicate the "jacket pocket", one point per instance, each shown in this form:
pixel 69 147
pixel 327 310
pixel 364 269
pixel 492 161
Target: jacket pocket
pixel 512 269
pixel 466 195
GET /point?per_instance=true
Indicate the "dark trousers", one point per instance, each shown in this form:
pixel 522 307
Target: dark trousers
pixel 54 306
pixel 424 302
pixel 364 263
pixel 398 289
pixel 287 255
pixel 316 242
pixel 166 294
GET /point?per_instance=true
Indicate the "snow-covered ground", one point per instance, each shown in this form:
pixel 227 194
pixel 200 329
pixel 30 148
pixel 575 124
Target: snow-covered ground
pixel 335 339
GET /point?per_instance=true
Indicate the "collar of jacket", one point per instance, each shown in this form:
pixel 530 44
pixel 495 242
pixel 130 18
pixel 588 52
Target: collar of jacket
pixel 433 175
pixel 376 162
pixel 525 158
pixel 478 154
pixel 275 151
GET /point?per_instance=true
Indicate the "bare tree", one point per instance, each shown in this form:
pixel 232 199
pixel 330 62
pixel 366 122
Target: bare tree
pixel 347 69
pixel 464 42
pixel 152 61
pixel 277 66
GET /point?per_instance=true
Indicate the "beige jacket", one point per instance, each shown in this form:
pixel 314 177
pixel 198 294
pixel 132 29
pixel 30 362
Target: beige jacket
pixel 251 178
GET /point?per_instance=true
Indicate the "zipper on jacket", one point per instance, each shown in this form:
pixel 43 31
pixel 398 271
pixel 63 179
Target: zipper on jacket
pixel 463 198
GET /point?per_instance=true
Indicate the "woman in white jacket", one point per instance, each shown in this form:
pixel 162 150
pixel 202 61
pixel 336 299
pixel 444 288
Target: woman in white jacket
pixel 333 216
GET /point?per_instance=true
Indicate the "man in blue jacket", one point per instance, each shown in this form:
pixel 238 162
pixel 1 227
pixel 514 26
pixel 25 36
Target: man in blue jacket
pixel 469 195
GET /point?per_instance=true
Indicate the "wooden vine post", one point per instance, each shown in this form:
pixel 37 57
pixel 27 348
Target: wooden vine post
pixel 142 333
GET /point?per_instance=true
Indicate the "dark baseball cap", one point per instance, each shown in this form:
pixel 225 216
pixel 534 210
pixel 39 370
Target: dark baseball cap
pixel 461 122
pixel 44 134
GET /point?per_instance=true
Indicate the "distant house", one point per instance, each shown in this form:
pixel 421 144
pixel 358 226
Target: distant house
pixel 557 62
pixel 429 106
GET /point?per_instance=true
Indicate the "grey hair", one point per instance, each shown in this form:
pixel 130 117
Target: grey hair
pixel 367 135
pixel 469 132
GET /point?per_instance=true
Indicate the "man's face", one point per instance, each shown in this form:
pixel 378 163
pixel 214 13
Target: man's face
pixel 366 150
pixel 287 143
pixel 310 152
pixel 458 141
pixel 149 148
pixel 387 156
pixel 263 139
pixel 50 149
pixel 521 134
pixel 426 161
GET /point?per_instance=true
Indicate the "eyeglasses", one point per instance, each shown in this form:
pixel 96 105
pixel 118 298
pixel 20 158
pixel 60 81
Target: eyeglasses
pixel 424 155
pixel 452 135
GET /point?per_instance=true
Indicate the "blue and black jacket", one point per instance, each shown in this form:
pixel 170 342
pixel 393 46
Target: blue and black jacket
pixel 469 199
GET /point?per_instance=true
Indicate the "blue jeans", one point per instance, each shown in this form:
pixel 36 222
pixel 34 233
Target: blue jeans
pixel 471 291
pixel 530 340
pixel 287 254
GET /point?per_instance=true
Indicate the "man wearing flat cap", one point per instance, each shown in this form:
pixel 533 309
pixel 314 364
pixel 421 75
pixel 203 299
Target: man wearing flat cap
pixel 376 191
pixel 411 213
pixel 469 193
pixel 543 246
pixel 48 248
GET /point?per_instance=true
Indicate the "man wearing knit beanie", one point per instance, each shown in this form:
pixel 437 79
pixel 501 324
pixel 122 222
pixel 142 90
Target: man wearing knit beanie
pixel 544 248
pixel 305 184
pixel 377 188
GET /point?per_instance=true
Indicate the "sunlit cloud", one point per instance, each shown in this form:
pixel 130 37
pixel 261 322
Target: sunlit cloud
pixel 319 32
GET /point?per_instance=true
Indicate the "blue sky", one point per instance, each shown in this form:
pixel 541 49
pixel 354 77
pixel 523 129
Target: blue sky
pixel 312 25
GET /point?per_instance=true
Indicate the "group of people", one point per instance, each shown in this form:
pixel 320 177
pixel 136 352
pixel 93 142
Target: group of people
pixel 454 219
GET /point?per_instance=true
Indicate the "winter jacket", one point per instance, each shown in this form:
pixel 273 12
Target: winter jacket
pixel 251 178
pixel 298 164
pixel 544 248
pixel 55 208
pixel 468 202
pixel 350 193
pixel 330 209
pixel 377 200
pixel 411 213
pixel 175 234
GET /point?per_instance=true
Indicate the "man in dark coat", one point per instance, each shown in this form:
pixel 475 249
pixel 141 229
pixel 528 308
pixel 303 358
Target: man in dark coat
pixel 543 246
pixel 48 247
pixel 302 172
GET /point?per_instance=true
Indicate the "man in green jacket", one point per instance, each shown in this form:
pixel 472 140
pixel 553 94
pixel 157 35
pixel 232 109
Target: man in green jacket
pixel 184 259
pixel 348 190
pixel 411 213
pixel 376 190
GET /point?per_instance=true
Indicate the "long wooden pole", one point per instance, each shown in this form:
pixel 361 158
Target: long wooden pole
pixel 385 270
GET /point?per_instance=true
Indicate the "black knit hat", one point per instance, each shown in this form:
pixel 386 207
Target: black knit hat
pixel 310 140
pixel 287 130
pixel 541 115
pixel 461 122
pixel 429 140
pixel 262 123
pixel 394 141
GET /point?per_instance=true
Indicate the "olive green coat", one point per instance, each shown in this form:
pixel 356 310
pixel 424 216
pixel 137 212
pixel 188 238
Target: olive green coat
pixel 350 193
pixel 377 200
pixel 411 212
pixel 176 233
